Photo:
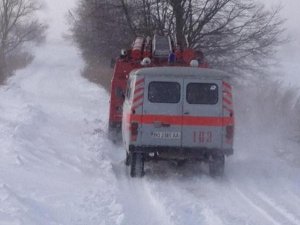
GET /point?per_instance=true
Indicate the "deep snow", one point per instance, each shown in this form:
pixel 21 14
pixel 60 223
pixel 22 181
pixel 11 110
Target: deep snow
pixel 58 168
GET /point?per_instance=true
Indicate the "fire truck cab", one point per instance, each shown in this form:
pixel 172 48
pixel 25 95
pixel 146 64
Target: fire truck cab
pixel 178 113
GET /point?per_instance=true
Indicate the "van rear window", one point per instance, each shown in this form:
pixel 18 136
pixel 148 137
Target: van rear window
pixel 202 93
pixel 164 92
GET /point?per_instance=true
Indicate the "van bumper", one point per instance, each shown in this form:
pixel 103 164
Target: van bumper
pixel 178 153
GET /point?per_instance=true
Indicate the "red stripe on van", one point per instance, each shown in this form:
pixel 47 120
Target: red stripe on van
pixel 141 81
pixel 227 101
pixel 227 93
pixel 207 121
pixel 225 84
pixel 138 90
pixel 137 98
pixel 228 109
pixel 185 120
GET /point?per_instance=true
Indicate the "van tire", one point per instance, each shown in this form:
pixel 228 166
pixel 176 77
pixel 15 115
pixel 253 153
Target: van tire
pixel 136 165
pixel 216 165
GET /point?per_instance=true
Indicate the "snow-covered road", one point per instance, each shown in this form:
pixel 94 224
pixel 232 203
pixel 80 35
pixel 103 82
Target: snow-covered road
pixel 58 168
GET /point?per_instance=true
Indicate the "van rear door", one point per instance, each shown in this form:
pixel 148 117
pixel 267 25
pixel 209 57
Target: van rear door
pixel 202 114
pixel 162 112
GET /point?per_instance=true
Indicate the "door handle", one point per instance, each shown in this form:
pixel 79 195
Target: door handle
pixel 186 113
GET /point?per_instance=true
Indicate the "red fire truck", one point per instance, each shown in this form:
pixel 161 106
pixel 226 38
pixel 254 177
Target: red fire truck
pixel 145 52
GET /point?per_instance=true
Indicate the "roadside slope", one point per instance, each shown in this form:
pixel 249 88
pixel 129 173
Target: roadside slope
pixel 51 169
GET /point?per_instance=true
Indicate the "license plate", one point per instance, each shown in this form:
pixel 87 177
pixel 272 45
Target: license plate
pixel 166 135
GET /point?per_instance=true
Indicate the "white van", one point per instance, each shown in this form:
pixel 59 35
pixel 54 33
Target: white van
pixel 178 113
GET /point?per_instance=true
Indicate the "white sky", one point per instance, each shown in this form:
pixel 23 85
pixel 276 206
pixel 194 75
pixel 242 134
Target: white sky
pixel 55 13
pixel 290 12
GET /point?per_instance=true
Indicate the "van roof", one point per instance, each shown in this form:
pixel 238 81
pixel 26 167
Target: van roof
pixel 182 71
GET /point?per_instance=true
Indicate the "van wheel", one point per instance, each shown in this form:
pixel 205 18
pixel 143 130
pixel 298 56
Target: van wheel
pixel 137 165
pixel 216 165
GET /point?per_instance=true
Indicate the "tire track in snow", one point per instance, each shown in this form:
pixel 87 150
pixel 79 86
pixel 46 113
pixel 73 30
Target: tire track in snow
pixel 294 197
pixel 286 201
pixel 194 198
pixel 256 207
pixel 213 201
pixel 180 205
pixel 174 190
pixel 219 200
pixel 266 206
pixel 279 209
pixel 140 204
pixel 266 190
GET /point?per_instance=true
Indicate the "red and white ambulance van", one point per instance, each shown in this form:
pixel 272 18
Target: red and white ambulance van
pixel 178 113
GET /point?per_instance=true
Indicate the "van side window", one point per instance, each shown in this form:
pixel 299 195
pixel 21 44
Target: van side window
pixel 164 92
pixel 202 93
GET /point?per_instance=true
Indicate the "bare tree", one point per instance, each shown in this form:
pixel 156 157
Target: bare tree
pixel 18 25
pixel 100 29
pixel 235 35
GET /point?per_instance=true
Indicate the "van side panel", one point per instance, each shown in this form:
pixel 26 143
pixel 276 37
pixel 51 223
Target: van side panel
pixel 132 111
pixel 137 104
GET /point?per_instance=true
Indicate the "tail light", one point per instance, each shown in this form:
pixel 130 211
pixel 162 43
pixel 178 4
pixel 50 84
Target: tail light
pixel 134 131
